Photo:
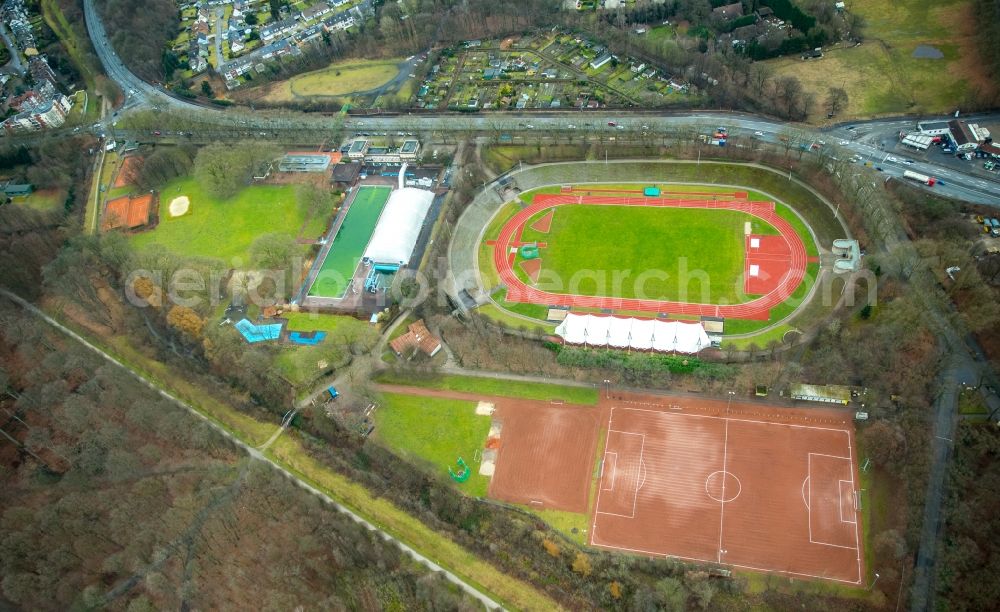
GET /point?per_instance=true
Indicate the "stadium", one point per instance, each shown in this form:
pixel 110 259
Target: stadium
pixel 377 232
pixel 644 261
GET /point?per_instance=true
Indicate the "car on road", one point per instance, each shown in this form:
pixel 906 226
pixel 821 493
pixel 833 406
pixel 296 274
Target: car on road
pixel 908 162
pixel 758 133
pixel 612 123
pixel 879 168
pixel 156 133
pixel 892 159
pixel 844 143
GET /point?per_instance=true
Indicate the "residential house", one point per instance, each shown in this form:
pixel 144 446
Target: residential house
pixel 277 29
pixel 41 71
pixel 600 60
pixel 315 11
pixel 236 41
pixel 50 114
pixel 26 101
pixel 728 12
pixel 417 337
pixel 340 21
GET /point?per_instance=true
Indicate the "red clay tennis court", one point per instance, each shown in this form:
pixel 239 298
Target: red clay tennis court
pixel 750 487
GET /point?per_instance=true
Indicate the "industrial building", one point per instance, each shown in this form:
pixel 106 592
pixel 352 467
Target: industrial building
pixel 298 161
pixel 362 149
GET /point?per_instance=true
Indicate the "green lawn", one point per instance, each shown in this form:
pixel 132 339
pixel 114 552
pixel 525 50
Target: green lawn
pixel 699 250
pixel 337 79
pixel 881 75
pixel 223 229
pixel 498 387
pixel 435 432
pixel 350 242
pixel 301 364
pixel 43 199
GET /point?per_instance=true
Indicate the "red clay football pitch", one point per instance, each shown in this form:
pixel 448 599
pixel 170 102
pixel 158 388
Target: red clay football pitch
pixel 753 487
pixel 742 484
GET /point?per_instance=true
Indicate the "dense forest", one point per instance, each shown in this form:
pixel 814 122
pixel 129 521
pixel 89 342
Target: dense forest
pixel 987 33
pixel 141 32
pixel 115 498
pixel 970 559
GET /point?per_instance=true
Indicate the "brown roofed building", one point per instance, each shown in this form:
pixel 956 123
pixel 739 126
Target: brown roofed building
pixel 418 337
pixel 729 11
pixel 345 175
pixel 128 212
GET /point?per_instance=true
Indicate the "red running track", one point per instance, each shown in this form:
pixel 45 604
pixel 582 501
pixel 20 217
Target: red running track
pixel 758 308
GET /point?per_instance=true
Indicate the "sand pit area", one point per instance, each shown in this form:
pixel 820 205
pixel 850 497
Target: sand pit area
pixel 179 206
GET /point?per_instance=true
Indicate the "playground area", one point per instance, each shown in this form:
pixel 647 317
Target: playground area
pixel 351 232
pixel 743 484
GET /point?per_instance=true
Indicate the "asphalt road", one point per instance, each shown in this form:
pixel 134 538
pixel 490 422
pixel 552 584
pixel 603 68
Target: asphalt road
pixel 15 55
pixel 142 95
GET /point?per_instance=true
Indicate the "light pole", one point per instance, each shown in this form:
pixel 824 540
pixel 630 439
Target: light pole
pixel 870 586
pixel 607 388
pixel 730 403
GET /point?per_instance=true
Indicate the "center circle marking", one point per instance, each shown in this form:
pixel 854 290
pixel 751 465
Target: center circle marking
pixel 723 486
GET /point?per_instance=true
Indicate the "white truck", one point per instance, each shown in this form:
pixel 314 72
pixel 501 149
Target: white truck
pixel 920 178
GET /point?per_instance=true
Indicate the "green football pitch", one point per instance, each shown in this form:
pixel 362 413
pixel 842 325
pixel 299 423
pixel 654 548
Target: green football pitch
pixel 679 254
pixel 349 245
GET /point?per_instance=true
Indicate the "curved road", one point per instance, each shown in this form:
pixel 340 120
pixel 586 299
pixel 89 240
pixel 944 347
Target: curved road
pixel 140 94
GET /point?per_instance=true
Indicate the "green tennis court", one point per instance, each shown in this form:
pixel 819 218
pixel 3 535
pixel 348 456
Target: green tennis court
pixel 349 245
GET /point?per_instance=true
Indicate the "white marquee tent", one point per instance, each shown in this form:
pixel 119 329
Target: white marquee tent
pixel 639 334
pixel 398 227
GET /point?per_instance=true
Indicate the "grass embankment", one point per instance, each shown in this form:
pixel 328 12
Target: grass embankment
pixel 513 593
pixel 497 387
pixel 434 432
pixel 882 76
pixel 338 79
pixel 79 52
pixel 289 452
pixel 223 229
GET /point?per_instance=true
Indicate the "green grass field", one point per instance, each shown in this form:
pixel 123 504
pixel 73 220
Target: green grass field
pixel 881 75
pixel 350 242
pixel 434 432
pixel 701 252
pixel 337 79
pixel 222 229
pixel 301 364
pixel 491 386
pixel 43 199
